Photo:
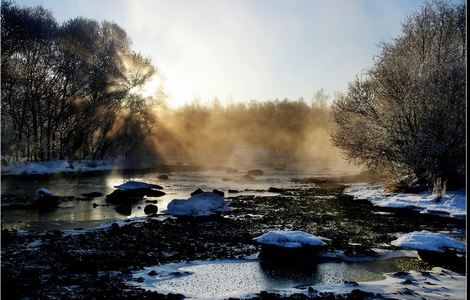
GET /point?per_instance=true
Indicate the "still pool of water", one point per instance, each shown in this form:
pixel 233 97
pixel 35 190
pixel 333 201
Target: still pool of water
pixel 82 213
pixel 236 278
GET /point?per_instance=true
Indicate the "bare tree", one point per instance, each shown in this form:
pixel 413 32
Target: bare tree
pixel 407 113
pixel 65 87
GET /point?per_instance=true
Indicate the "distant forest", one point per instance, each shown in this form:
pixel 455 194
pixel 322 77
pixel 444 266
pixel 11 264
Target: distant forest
pixel 293 131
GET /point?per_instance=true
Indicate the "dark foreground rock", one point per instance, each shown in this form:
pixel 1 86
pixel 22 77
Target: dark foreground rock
pixel 97 264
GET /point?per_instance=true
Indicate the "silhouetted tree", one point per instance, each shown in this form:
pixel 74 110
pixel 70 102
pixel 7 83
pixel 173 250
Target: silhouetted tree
pixel 65 87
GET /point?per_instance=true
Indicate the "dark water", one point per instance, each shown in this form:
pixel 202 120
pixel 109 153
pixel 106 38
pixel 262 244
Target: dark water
pixel 77 213
pixel 236 278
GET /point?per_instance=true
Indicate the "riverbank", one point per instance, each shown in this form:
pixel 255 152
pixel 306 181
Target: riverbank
pixel 98 263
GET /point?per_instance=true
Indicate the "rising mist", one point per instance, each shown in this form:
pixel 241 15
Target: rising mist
pixel 278 134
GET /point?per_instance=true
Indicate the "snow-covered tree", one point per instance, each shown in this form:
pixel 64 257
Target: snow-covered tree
pixel 407 113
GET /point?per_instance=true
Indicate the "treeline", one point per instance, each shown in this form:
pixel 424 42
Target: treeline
pixel 274 130
pixel 67 88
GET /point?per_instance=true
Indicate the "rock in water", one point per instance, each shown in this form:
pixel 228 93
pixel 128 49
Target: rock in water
pixel 255 172
pixel 220 193
pixel 137 185
pixel 154 193
pixel 150 209
pixel 124 209
pixel 132 195
pixel 198 191
pixel 46 200
pixel 276 190
pixel 163 177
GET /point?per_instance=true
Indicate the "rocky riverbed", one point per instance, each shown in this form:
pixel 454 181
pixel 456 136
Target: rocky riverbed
pixel 98 263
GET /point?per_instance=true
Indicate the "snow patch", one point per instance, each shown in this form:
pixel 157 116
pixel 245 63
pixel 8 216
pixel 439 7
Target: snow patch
pixel 438 283
pixel 203 204
pixel 290 239
pixel 452 204
pixel 59 166
pixel 426 240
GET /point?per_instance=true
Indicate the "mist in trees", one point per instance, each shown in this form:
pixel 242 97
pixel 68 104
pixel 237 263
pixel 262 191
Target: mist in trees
pixel 407 113
pixel 67 88
pixel 294 133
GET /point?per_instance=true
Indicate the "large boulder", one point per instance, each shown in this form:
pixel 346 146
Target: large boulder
pixel 133 191
pixel 433 247
pixel 280 244
pixel 203 204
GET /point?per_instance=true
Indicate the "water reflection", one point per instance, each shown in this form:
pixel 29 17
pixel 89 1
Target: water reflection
pixel 236 278
pixel 84 213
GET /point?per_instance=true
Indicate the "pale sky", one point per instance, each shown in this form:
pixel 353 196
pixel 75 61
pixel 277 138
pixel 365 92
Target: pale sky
pixel 243 50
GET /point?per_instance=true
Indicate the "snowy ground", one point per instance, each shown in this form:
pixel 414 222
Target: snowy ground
pixel 437 283
pixel 452 204
pixel 61 166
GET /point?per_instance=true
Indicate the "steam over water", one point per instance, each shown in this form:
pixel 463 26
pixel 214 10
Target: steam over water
pixel 77 213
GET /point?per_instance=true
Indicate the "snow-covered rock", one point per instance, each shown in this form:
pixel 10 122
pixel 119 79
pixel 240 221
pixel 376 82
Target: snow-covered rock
pixel 453 203
pixel 203 204
pixel 290 239
pixel 428 241
pixel 135 185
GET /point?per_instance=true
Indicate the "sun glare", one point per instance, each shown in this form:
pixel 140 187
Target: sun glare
pixel 149 88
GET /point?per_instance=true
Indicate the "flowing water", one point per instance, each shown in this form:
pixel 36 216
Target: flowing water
pixel 78 213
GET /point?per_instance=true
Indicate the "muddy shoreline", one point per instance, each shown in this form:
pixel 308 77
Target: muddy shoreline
pixel 97 263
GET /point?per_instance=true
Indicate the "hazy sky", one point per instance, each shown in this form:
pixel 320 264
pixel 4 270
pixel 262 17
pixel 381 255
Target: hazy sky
pixel 242 50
